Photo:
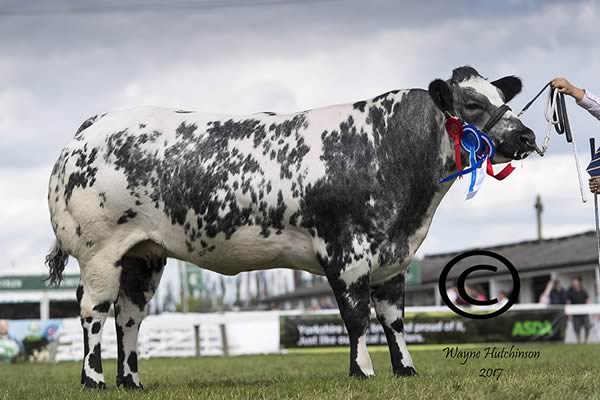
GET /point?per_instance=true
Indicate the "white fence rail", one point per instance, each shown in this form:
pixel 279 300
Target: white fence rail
pixel 172 335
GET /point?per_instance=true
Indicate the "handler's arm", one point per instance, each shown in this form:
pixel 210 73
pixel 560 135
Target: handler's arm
pixel 590 103
pixel 583 98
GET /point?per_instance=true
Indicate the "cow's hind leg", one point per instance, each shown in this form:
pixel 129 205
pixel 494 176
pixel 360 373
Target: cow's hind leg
pixel 350 284
pixel 389 306
pixel 97 291
pixel 139 280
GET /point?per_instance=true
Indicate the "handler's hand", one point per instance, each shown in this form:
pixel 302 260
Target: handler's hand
pixel 563 85
pixel 594 186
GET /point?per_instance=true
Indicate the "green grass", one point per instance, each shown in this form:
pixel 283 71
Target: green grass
pixel 562 372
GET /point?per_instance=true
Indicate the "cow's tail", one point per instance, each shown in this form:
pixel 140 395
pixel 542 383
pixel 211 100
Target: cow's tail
pixel 56 261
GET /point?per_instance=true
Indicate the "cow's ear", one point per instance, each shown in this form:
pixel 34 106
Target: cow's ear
pixel 509 86
pixel 442 95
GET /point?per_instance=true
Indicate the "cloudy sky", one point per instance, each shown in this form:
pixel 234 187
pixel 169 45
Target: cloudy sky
pixel 64 61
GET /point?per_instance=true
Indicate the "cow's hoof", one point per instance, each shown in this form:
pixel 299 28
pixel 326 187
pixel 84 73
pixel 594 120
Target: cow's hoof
pixel 405 371
pixel 93 385
pixel 357 373
pixel 130 386
pixel 127 382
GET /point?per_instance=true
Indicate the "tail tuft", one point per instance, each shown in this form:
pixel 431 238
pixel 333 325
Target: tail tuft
pixel 56 261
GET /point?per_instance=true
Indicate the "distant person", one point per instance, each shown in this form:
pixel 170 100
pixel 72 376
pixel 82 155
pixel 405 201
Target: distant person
pixel 479 293
pixel 471 292
pixel 454 297
pixel 326 304
pixel 581 322
pixel 452 293
pixel 501 297
pixel 9 346
pixel 558 295
pixel 545 296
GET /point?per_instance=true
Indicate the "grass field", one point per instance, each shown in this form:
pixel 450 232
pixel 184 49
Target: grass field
pixel 561 372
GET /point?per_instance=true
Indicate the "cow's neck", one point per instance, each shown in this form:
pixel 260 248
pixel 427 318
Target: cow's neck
pixel 446 166
pixel 421 160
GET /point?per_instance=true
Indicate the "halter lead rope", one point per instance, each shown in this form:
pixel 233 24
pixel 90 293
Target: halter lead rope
pixel 533 100
pixel 556 115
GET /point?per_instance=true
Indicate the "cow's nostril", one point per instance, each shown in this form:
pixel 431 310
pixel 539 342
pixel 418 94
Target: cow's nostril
pixel 527 138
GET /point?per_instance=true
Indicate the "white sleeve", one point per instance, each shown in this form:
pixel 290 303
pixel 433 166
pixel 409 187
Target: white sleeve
pixel 590 103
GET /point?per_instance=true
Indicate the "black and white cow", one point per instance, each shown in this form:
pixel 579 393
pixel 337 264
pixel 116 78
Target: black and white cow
pixel 346 191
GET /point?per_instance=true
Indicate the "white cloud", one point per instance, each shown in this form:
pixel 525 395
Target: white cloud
pixel 25 231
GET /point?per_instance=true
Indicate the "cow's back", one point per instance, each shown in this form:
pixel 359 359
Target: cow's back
pixel 211 189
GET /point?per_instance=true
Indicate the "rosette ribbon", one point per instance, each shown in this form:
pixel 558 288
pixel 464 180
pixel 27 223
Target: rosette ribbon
pixel 481 152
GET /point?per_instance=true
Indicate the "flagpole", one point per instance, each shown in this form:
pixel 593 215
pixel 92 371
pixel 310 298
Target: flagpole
pixel 597 270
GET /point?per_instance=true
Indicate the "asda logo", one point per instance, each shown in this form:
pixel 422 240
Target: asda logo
pixel 532 328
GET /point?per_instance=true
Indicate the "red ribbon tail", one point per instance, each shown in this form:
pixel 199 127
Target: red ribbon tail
pixel 506 171
pixel 457 156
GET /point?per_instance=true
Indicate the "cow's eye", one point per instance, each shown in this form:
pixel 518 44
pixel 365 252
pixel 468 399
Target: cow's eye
pixel 473 106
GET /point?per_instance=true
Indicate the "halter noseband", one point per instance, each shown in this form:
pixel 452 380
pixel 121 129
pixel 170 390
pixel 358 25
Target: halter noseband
pixel 496 116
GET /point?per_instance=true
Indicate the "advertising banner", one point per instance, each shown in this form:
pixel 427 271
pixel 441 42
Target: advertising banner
pixel 321 330
pixel 36 282
pixel 29 338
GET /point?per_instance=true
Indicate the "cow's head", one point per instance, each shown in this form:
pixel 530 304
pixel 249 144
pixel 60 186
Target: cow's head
pixel 475 100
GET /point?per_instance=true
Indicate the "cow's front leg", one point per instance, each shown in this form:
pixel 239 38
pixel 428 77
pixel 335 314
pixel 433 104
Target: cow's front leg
pixel 350 284
pixel 389 306
pixel 139 281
